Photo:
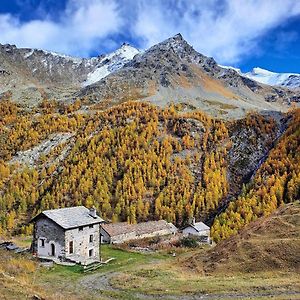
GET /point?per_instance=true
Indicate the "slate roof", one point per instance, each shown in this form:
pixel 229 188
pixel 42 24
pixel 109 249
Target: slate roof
pixel 115 229
pixel 70 217
pixel 199 226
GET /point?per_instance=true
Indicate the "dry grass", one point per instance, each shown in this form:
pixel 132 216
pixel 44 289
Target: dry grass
pixel 17 276
pixel 211 85
pixel 269 244
pixel 168 280
pixel 220 104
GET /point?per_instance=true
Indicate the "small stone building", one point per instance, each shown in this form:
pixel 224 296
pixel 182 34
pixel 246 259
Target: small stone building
pixel 67 234
pixel 198 229
pixel 115 233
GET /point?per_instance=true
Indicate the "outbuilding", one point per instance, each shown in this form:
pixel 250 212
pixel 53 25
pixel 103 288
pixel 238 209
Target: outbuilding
pixel 198 229
pixel 115 233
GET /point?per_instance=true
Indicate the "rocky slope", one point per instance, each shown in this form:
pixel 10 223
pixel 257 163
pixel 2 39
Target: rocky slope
pixel 31 75
pixel 171 71
pixel 174 71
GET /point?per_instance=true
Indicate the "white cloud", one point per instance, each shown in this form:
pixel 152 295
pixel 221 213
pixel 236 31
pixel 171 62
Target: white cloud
pixel 82 26
pixel 225 29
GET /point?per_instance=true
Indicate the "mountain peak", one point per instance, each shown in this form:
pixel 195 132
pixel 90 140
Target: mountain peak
pixel 178 36
pixel 126 45
pixel 176 39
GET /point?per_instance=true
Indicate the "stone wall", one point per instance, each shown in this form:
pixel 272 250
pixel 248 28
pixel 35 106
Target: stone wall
pixel 121 238
pixel 82 244
pixel 50 233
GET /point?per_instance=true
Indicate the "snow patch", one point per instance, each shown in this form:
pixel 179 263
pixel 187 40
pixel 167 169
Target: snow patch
pixel 231 68
pixel 271 78
pixel 29 53
pixel 290 80
pixel 111 62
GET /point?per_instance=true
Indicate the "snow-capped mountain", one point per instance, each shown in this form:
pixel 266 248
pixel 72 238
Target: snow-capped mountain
pixel 169 71
pixel 111 62
pixel 37 74
pixel 289 80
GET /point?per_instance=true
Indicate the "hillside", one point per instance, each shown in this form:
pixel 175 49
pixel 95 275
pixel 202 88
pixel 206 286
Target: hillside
pixel 276 181
pixel 120 161
pixel 268 244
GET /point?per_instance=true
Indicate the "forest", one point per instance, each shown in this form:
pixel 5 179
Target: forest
pixel 136 162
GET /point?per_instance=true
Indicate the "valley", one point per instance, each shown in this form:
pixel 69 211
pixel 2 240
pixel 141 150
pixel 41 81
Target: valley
pixel 159 134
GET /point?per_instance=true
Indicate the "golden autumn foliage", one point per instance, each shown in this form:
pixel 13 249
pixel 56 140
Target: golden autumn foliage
pixel 277 181
pixel 136 162
pixel 133 162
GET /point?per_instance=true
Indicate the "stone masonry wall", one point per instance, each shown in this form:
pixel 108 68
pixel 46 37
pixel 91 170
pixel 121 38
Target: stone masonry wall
pixel 51 233
pixel 82 244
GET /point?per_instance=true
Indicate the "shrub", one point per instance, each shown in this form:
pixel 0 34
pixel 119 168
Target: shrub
pixel 188 242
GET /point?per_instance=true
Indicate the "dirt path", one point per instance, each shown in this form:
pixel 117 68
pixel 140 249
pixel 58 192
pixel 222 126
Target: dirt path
pixel 98 282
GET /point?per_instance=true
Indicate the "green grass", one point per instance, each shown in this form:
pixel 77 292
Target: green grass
pixel 67 278
pixel 132 275
pixel 125 259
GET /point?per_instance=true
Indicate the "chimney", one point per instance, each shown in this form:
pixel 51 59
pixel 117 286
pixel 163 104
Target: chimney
pixel 93 212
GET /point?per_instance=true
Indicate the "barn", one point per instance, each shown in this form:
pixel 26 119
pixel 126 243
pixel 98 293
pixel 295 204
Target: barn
pixel 115 233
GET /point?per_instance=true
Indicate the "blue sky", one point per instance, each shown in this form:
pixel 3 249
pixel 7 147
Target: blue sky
pixel 241 33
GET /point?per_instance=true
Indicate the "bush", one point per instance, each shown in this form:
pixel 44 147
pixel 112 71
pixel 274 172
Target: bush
pixel 188 242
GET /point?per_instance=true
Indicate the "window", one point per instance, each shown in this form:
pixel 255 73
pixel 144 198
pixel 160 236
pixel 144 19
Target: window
pixel 91 252
pixel 80 228
pixel 91 226
pixel 91 238
pixel 42 242
pixel 71 247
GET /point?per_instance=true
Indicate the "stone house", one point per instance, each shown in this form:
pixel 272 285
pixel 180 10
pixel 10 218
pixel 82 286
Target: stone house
pixel 198 229
pixel 71 233
pixel 115 233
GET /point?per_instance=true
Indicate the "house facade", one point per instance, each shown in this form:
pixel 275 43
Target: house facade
pixel 116 233
pixel 198 229
pixel 67 234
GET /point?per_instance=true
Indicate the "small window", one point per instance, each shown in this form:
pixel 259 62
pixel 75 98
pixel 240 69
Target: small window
pixel 71 247
pixel 91 238
pixel 91 226
pixel 42 243
pixel 91 252
pixel 80 228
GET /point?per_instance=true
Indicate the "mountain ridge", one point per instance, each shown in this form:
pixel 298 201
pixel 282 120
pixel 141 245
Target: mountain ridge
pixel 287 80
pixel 170 71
